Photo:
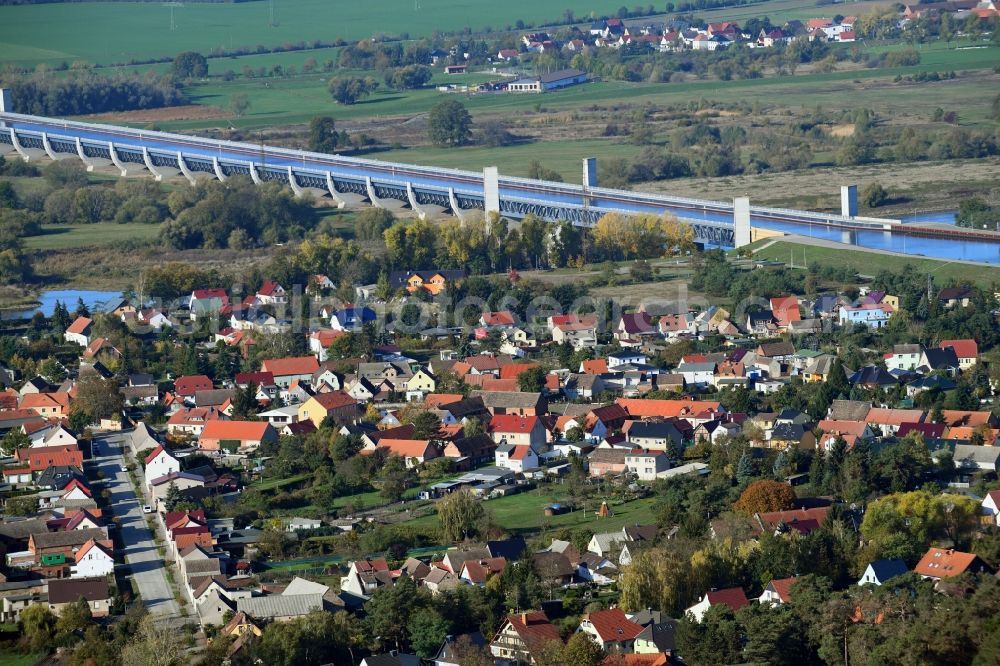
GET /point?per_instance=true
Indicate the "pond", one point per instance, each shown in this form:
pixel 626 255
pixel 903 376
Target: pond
pixel 68 297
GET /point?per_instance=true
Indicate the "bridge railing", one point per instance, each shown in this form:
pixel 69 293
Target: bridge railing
pixel 215 144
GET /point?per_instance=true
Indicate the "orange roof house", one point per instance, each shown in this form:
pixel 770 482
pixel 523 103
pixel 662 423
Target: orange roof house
pixel 940 563
pixel 49 405
pixel 414 451
pixel 285 370
pixel 233 435
pixel 639 408
pixel 785 310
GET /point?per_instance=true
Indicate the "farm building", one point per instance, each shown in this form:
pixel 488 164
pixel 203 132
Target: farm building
pixel 546 82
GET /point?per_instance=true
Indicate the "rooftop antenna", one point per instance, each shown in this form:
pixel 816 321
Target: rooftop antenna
pixel 173 23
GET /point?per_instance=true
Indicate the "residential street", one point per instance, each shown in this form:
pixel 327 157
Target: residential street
pixel 148 568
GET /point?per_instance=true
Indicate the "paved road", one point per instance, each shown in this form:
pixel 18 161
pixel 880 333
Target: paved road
pixel 148 568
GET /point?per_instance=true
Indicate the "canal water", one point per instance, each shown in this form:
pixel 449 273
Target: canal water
pixel 68 297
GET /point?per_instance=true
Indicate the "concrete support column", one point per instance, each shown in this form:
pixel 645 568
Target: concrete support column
pixel 849 200
pixel 455 209
pixel 18 147
pixel 741 221
pixel 185 171
pixel 88 162
pixel 114 158
pixel 372 196
pixel 219 173
pixel 6 104
pixel 296 188
pixel 158 175
pixel 48 147
pixel 254 176
pixel 334 194
pixel 491 190
pixel 414 204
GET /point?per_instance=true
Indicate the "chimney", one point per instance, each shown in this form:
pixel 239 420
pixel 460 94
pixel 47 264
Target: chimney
pixel 524 618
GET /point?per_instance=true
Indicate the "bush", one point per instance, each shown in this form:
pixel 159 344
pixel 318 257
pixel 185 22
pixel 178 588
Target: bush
pixel 874 195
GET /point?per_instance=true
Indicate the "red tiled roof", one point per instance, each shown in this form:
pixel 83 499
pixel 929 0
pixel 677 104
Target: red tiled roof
pixel 513 370
pixel 613 625
pixel 191 384
pixel 651 659
pixel 86 549
pixel 334 399
pixel 513 423
pixel 240 430
pixel 405 448
pixel 637 407
pixel 258 378
pixel 594 366
pixel 155 452
pixel 534 628
pixel 296 365
pixel 963 348
pixel 79 325
pixel 734 597
pixel 783 588
pixel 268 288
pixel 519 452
pixel 199 294
pixel 501 318
pixel 942 563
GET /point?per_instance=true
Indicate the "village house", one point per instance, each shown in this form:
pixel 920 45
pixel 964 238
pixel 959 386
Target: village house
pixel 522 636
pixel 938 563
pixel 579 331
pixel 233 436
pixel 95 591
pixel 93 560
pixel 518 430
pixel 287 370
pixel 733 597
pixel 337 405
pixel 611 629
pixel 79 331
pixel 159 462
pixel 431 281
pixel 879 571
pixel 518 459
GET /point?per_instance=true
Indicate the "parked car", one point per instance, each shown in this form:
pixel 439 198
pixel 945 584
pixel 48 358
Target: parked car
pixel 147 509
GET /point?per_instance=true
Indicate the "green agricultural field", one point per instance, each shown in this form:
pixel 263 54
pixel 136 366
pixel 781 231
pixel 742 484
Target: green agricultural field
pixel 64 236
pixel 855 88
pixel 119 32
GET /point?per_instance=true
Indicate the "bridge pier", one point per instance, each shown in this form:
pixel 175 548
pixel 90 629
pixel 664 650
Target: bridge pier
pixel 741 221
pixel 185 171
pixel 456 210
pixel 849 200
pixel 296 188
pixel 377 201
pixel 491 190
pixel 152 168
pixel 8 148
pixel 27 154
pixel 53 155
pixel 219 173
pixel 90 162
pixel 254 176
pixel 334 194
pixel 115 160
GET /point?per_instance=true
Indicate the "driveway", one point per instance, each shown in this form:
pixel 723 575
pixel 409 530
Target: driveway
pixel 148 568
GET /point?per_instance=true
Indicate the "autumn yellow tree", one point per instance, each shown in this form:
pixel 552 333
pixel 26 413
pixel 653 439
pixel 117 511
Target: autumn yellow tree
pixel 765 495
pixel 641 236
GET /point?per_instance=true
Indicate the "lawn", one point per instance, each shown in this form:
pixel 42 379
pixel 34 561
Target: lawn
pixel 64 236
pixel 14 659
pixel 524 513
pixel 119 32
pixel 867 263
